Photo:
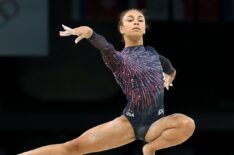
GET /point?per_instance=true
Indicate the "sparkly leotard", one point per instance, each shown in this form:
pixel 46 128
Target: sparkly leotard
pixel 138 71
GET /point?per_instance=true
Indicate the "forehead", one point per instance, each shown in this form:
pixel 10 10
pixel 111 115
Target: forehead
pixel 133 13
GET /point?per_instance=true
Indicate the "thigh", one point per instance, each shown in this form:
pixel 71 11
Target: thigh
pixel 106 136
pixel 161 125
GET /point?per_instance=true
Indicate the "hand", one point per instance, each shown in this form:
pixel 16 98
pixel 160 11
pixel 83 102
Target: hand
pixel 82 32
pixel 168 79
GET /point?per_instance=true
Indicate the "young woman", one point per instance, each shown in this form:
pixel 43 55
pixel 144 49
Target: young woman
pixel 142 73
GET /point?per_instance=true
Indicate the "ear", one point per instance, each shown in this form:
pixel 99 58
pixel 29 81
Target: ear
pixel 121 29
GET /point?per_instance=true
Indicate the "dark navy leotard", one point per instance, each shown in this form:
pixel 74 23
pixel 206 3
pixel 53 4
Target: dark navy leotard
pixel 138 71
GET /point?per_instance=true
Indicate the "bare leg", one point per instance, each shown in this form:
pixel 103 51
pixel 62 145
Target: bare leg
pixel 167 132
pixel 102 137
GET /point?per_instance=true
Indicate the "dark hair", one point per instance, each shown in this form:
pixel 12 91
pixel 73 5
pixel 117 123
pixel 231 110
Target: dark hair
pixel 122 14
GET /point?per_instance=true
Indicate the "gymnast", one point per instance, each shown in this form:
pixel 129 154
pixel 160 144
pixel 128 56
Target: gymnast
pixel 142 73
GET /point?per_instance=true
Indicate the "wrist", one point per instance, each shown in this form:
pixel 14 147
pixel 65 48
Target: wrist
pixel 89 32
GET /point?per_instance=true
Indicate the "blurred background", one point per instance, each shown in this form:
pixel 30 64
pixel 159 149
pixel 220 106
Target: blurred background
pixel 52 90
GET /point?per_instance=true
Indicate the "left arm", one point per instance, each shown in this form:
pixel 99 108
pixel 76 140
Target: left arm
pixel 166 65
pixel 169 71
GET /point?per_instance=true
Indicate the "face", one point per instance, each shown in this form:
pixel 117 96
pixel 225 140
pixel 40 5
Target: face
pixel 133 24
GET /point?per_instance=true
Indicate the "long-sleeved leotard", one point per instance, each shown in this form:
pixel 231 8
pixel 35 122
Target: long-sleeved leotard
pixel 138 70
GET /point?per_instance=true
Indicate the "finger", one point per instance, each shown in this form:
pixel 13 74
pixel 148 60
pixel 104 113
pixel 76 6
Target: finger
pixel 78 39
pixel 165 77
pixel 64 33
pixel 66 28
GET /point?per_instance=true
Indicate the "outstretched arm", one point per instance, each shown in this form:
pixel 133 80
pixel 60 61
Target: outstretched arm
pixel 169 72
pixel 110 55
pixel 81 32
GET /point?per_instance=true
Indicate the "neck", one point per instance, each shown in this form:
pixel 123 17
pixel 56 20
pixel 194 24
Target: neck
pixel 131 42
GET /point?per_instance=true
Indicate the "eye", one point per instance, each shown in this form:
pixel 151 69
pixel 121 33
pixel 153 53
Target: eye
pixel 141 20
pixel 129 20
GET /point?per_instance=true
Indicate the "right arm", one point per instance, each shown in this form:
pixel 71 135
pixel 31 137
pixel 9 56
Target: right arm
pixel 110 55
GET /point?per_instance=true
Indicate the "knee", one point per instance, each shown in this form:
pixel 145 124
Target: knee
pixel 71 148
pixel 185 123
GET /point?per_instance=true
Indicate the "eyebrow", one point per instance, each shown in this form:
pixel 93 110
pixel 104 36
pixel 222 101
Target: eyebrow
pixel 140 16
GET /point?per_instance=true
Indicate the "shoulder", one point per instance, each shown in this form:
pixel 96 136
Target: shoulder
pixel 151 49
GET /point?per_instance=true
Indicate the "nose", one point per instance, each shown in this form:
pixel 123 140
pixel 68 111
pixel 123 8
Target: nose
pixel 136 23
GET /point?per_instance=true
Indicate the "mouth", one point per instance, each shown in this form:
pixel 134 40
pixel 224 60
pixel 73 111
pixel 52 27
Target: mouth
pixel 136 28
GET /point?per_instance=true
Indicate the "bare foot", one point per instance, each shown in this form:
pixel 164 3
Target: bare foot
pixel 147 150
